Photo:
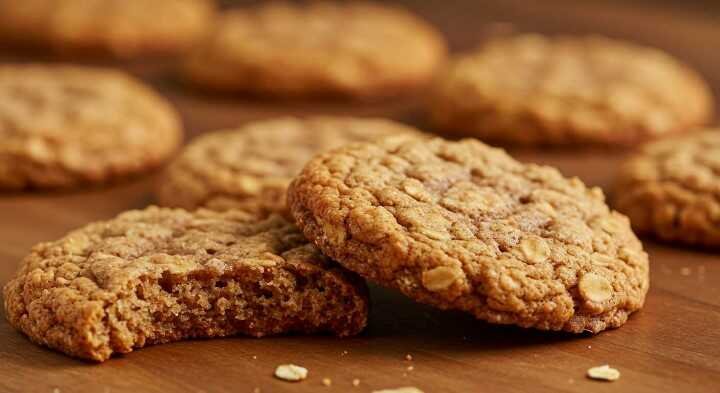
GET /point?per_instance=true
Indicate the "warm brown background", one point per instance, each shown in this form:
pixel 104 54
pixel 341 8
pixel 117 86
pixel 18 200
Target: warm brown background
pixel 671 345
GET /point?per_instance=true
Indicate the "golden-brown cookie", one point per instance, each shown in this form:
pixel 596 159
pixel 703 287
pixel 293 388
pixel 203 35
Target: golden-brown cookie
pixel 159 275
pixel 531 89
pixel 671 189
pixel 250 167
pixel 123 28
pixel 355 49
pixel 62 126
pixel 460 225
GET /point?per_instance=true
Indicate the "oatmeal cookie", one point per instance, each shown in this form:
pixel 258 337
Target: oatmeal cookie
pixel 460 225
pixel 160 275
pixel 250 167
pixel 122 28
pixel 671 189
pixel 354 49
pixel 61 126
pixel 531 89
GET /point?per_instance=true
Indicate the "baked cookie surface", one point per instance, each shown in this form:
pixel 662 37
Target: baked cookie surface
pixel 62 126
pixel 250 167
pixel 671 189
pixel 160 275
pixel 354 49
pixel 460 225
pixel 532 89
pixel 123 28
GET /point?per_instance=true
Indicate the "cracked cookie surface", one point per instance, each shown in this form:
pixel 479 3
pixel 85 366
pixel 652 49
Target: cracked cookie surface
pixel 122 28
pixel 354 49
pixel 160 275
pixel 533 89
pixel 62 126
pixel 460 225
pixel 671 189
pixel 250 167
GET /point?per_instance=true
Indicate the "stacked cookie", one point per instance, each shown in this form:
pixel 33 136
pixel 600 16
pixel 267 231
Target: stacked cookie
pixel 272 226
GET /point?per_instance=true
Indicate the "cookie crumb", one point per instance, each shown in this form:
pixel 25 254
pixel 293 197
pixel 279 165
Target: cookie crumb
pixel 356 382
pixel 410 368
pixel 589 346
pixel 408 357
pixel 604 373
pixel 327 382
pixel 291 372
pixel 254 357
pixel 406 389
pixel 344 353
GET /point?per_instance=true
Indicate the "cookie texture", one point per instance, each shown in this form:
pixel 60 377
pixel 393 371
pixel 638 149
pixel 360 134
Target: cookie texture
pixel 532 89
pixel 354 49
pixel 460 225
pixel 122 28
pixel 61 126
pixel 671 189
pixel 250 167
pixel 160 275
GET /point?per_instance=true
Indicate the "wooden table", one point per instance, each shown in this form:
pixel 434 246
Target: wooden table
pixel 673 344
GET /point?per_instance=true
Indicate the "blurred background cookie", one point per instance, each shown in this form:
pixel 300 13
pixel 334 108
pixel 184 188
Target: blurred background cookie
pixel 566 90
pixel 122 28
pixel 671 189
pixel 61 126
pixel 354 49
pixel 250 167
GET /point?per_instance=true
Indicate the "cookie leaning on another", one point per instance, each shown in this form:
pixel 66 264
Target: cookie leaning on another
pixel 121 28
pixel 353 49
pixel 537 90
pixel 160 275
pixel 671 189
pixel 250 167
pixel 460 225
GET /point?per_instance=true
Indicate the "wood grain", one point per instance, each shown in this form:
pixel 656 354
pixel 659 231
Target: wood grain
pixel 673 344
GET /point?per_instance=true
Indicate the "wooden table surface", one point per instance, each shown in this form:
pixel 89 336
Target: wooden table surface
pixel 673 344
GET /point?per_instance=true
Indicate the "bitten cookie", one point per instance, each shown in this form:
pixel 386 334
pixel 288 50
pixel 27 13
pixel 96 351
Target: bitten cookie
pixel 460 225
pixel 61 126
pixel 354 49
pixel 160 275
pixel 671 189
pixel 123 28
pixel 531 89
pixel 250 167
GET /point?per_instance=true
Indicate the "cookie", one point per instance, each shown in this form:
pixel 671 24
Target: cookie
pixel 250 167
pixel 354 49
pixel 536 90
pixel 122 28
pixel 460 225
pixel 671 189
pixel 62 126
pixel 160 275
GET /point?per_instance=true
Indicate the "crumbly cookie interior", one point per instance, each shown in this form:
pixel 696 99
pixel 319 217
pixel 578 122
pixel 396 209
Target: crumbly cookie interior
pixel 163 275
